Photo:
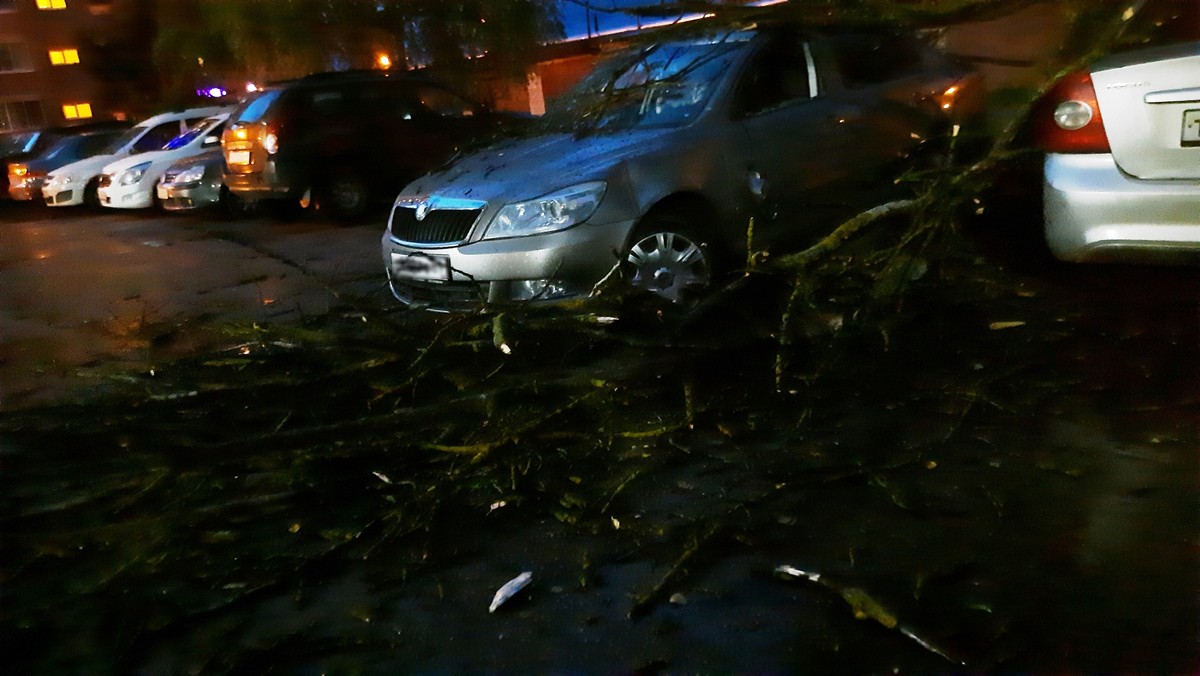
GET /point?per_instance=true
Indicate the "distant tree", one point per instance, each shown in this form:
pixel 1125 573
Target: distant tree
pixel 273 39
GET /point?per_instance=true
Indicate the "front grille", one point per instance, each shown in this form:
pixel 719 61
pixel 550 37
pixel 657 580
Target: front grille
pixel 65 196
pixel 169 176
pixel 105 180
pixel 441 296
pixel 440 226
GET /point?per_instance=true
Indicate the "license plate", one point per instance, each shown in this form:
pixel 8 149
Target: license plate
pixel 421 266
pixel 1191 128
pixel 239 157
pixel 162 192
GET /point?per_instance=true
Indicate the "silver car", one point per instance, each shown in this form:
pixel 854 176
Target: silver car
pixel 196 183
pixel 654 166
pixel 1121 180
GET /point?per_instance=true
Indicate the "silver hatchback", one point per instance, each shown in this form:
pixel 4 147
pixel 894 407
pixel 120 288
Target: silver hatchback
pixel 1121 180
pixel 654 165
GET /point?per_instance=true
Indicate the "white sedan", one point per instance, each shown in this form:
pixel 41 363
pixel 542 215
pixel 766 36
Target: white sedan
pixel 129 183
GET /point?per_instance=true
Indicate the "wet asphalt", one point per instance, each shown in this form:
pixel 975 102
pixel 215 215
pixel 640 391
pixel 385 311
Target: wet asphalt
pixel 222 449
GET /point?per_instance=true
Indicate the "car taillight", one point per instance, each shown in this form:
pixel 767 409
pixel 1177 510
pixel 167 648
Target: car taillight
pixel 17 170
pixel 1067 119
pixel 270 142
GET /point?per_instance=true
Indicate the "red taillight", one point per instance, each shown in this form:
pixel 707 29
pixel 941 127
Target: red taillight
pixel 1067 119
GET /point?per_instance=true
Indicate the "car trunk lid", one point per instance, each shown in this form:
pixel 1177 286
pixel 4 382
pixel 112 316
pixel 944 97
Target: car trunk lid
pixel 1151 110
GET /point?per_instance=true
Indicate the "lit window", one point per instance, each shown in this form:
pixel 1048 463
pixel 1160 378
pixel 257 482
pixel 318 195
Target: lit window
pixel 62 57
pixel 51 4
pixel 77 111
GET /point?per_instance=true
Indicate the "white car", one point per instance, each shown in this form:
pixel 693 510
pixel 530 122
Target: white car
pixel 77 183
pixel 129 183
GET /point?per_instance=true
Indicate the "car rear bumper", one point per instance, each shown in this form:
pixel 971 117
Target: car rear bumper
pixel 1096 212
pixel 552 267
pixel 260 185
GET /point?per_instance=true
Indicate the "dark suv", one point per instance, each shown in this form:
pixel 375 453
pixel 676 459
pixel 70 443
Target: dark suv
pixel 342 140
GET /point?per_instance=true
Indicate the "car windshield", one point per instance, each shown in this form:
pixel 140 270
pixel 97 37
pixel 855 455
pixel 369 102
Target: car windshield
pixel 61 147
pixel 16 142
pixel 132 134
pixel 666 85
pixel 191 134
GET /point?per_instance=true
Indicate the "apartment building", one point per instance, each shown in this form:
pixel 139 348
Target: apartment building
pixel 44 78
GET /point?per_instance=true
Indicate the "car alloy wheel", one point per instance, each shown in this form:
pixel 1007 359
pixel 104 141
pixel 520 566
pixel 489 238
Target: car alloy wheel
pixel 669 263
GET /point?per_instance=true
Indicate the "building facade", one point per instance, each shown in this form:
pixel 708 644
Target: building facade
pixel 44 78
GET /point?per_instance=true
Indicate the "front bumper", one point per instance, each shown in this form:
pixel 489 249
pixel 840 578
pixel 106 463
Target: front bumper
pixel 187 196
pixel 60 193
pixel 551 267
pixel 134 196
pixel 1095 212
pixel 26 190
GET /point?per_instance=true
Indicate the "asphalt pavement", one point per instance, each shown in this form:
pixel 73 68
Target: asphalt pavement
pixel 87 295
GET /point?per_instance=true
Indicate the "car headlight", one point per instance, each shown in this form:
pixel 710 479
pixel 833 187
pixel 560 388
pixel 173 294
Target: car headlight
pixel 192 174
pixel 549 213
pixel 134 174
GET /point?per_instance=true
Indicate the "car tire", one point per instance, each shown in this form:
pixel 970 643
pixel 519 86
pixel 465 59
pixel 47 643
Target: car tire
pixel 91 196
pixel 668 257
pixel 230 206
pixel 347 195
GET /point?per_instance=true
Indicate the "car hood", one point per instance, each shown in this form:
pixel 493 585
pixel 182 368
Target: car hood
pixel 157 157
pixel 529 167
pixel 85 168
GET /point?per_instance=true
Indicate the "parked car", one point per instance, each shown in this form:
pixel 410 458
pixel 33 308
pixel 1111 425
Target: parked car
pixel 25 178
pixel 77 183
pixel 20 146
pixel 130 182
pixel 344 139
pixel 196 183
pixel 657 161
pixel 1121 179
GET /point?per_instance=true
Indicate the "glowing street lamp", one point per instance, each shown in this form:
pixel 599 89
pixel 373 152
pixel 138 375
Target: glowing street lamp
pixel 383 61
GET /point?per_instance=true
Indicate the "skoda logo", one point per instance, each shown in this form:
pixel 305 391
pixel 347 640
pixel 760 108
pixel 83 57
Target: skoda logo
pixel 422 210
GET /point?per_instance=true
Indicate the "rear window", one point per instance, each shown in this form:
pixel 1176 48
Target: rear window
pixel 256 110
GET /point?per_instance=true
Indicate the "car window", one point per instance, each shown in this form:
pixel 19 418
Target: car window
pixel 256 109
pixel 94 144
pixel 666 85
pixel 124 139
pixel 444 103
pixel 865 59
pixel 191 134
pixel 327 102
pixel 778 74
pixel 157 137
pixel 16 142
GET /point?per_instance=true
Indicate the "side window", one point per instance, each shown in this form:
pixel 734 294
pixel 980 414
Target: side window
pixel 157 137
pixel 388 103
pixel 444 103
pixel 327 103
pixel 779 74
pixel 867 59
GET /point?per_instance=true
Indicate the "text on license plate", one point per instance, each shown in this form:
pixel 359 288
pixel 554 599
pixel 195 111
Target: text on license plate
pixel 1191 128
pixel 421 266
pixel 239 157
